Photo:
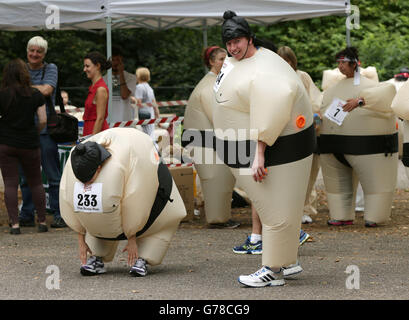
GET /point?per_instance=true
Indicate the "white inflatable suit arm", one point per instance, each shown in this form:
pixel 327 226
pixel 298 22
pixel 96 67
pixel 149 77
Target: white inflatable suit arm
pixel 379 98
pixel 196 118
pixel 271 103
pixel 315 97
pixel 314 93
pixel 400 104
pixel 140 190
pixel 75 225
pixel 66 208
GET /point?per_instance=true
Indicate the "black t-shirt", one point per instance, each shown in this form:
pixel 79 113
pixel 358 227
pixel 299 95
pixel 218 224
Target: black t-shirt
pixel 17 126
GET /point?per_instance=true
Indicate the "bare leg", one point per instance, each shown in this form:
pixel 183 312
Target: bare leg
pixel 256 223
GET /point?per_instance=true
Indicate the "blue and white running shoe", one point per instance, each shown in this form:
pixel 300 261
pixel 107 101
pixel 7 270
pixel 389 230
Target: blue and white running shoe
pixel 263 278
pixel 249 248
pixel 303 236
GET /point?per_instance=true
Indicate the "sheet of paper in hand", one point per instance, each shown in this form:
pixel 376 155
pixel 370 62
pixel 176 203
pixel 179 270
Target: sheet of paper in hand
pixel 88 198
pixel 335 113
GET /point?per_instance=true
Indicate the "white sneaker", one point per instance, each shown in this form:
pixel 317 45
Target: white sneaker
pixel 139 268
pixel 306 219
pixel 94 266
pixel 292 269
pixel 263 278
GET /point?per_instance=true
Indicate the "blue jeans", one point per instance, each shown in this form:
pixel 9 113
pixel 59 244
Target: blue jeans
pixel 50 163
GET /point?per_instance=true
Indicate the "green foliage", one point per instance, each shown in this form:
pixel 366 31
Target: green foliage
pixel 174 56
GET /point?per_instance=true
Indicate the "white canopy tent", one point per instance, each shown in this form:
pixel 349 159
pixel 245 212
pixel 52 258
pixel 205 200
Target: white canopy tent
pixel 31 15
pixel 157 14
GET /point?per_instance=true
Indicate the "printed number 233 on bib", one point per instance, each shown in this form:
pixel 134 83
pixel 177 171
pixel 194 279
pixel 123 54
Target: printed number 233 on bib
pixel 88 198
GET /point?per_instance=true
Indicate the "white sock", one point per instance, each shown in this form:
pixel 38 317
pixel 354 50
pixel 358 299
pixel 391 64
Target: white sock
pixel 254 238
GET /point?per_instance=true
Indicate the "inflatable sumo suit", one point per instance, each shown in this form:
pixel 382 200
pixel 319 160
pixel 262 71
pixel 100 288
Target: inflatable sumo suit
pixel 262 98
pixel 131 185
pixel 398 81
pixel 332 77
pixel 364 147
pixel 400 106
pixel 216 180
pixel 315 96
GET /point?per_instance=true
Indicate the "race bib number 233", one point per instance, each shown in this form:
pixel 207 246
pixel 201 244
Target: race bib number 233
pixel 88 198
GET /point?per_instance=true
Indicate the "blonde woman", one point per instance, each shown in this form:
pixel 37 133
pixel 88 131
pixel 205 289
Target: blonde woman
pixel 144 94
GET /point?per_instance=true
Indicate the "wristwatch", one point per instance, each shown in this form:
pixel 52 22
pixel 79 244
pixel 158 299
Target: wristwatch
pixel 360 102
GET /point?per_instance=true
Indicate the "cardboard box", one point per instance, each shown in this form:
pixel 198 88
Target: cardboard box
pixel 183 177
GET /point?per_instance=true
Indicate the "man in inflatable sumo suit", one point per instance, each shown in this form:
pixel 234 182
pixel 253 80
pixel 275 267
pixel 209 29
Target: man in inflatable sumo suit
pixel 264 132
pixel 398 81
pixel 216 180
pixel 358 141
pixel 400 105
pixel 114 187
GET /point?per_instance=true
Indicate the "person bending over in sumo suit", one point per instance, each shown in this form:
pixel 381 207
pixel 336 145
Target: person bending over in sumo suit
pixel 400 105
pixel 114 187
pixel 358 141
pixel 216 180
pixel 264 132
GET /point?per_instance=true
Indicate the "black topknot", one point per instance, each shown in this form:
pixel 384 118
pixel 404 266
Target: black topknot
pixel 80 149
pixel 229 14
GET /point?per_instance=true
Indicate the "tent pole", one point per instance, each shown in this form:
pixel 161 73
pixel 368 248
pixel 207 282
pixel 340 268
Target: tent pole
pixel 205 44
pixel 108 21
pixel 348 29
pixel 348 36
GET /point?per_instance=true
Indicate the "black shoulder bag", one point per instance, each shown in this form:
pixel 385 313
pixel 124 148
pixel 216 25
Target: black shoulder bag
pixel 62 127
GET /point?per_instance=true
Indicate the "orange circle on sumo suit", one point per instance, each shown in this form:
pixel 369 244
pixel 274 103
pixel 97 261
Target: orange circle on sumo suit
pixel 300 121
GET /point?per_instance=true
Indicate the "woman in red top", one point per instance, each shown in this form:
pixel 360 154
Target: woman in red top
pixel 96 104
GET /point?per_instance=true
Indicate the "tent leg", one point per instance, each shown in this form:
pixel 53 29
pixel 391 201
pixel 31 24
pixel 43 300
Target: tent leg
pixel 205 44
pixel 109 71
pixel 348 30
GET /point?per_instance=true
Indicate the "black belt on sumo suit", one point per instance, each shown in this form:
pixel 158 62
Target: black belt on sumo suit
pixel 162 198
pixel 285 149
pixel 405 155
pixel 358 145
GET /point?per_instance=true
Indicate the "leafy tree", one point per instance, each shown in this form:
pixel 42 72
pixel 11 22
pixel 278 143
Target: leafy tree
pixel 174 56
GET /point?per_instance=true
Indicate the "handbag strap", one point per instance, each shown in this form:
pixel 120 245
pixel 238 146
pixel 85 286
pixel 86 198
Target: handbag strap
pixel 57 91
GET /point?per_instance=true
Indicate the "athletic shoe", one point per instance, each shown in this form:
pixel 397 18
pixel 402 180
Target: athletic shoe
pixel 15 230
pixel 292 269
pixel 340 222
pixel 26 223
pixel 42 228
pixel 139 268
pixel 263 278
pixel 306 219
pixel 303 236
pixel 58 223
pixel 370 224
pixel 249 247
pixel 93 266
pixel 230 224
